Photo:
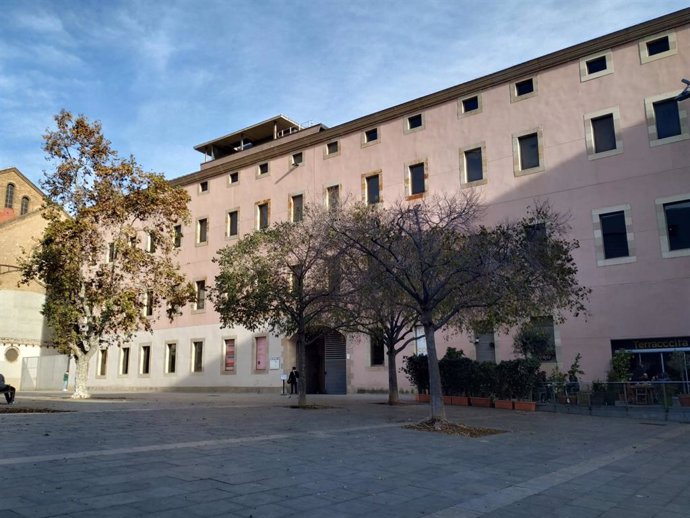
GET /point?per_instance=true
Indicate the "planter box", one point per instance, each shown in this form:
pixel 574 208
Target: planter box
pixel 483 402
pixel 423 398
pixel 447 400
pixel 526 406
pixel 505 404
pixel 460 401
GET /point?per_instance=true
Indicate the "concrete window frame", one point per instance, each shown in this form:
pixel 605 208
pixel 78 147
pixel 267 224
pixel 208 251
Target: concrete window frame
pixel 644 49
pixel 406 123
pixel 367 140
pixel 589 133
pixel 328 189
pixel 517 169
pixel 263 166
pixel 654 139
pixel 195 308
pixel 328 153
pixel 231 176
pixel 297 159
pixel 586 76
pixel 365 195
pixel 228 218
pixel 257 212
pixel 464 183
pixel 599 237
pixel 514 97
pixel 167 371
pixel 291 206
pixel 662 226
pixel 408 179
pixel 204 187
pixel 198 231
pixel 462 112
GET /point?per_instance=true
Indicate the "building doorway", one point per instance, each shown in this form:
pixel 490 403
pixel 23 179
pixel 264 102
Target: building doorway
pixel 325 364
pixel 485 347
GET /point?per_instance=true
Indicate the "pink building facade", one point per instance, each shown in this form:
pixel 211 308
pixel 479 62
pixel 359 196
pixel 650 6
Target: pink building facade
pixel 594 128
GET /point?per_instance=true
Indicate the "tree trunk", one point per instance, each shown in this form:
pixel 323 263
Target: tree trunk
pixel 81 363
pixel 302 368
pixel 438 411
pixel 393 396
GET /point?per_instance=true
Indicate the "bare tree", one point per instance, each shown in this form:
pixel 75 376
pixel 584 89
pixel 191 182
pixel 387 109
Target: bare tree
pixel 452 271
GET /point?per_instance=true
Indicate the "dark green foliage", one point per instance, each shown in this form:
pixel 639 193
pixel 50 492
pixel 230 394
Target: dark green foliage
pixel 416 368
pixel 457 373
pixel 517 378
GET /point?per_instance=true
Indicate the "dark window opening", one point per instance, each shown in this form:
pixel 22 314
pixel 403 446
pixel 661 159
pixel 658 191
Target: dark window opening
pixel 263 215
pixel 297 158
pixel 371 135
pixel 203 230
pixel 529 151
pixel 200 294
pixel 470 104
pixel 658 46
pixel 373 189
pixel 667 118
pixel 473 165
pixel 263 168
pixel 604 133
pixel 297 208
pixel 146 359
pixel 198 352
pixel 178 236
pixel 524 87
pixel 614 235
pixel 203 186
pixel 232 223
pixel 377 350
pixel 332 148
pixel 234 177
pixel 417 179
pixel 678 224
pixel 415 121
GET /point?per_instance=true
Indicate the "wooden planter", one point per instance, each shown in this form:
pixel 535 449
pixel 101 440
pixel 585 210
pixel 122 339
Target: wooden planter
pixel 684 399
pixel 460 401
pixel 505 404
pixel 447 400
pixel 483 402
pixel 526 406
pixel 423 398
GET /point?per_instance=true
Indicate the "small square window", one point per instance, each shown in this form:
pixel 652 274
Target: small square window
pixel 177 239
pixel 262 215
pixel 263 168
pixel 233 223
pixel 203 186
pixel 524 87
pixel 596 65
pixel 202 231
pixel 658 46
pixel 297 159
pixel 234 177
pixel 470 104
pixel 200 289
pixel 417 179
pixel 332 148
pixel 474 167
pixel 373 190
pixel 529 151
pixel 371 135
pixel 414 122
pixel 333 196
pixel 297 208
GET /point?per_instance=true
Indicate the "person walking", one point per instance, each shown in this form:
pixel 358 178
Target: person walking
pixel 292 380
pixel 8 390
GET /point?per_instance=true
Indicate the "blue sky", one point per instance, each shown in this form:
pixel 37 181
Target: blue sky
pixel 163 76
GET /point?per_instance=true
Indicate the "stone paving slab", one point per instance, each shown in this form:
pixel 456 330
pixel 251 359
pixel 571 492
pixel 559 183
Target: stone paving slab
pixel 242 455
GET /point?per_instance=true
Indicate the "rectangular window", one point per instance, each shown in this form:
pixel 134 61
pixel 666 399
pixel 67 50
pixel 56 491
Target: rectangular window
pixel 200 288
pixel 474 169
pixel 333 196
pixel 234 177
pixel 170 357
pixel 263 168
pixel 124 361
pixel 178 236
pixel 102 362
pixel 414 122
pixel 203 186
pixel 371 135
pixel 417 179
pixel 667 118
pixel 420 340
pixel 529 151
pixel 614 234
pixel 262 215
pixel 373 189
pixel 151 244
pixel 197 356
pixel 524 87
pixel 261 345
pixel 233 223
pixel 544 331
pixel 332 148
pixel 678 224
pixel 596 65
pixel 297 208
pixel 297 159
pixel 658 46
pixel 376 350
pixel 604 133
pixel 202 231
pixel 149 303
pixel 112 254
pixel 229 364
pixel 470 104
pixel 145 367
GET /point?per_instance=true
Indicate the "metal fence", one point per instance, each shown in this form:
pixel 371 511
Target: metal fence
pixel 666 394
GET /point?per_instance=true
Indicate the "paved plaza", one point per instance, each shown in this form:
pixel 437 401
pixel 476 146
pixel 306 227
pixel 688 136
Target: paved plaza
pixel 202 454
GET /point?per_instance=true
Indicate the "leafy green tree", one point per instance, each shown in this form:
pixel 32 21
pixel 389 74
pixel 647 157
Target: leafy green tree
pixel 285 278
pixel 453 271
pixel 100 282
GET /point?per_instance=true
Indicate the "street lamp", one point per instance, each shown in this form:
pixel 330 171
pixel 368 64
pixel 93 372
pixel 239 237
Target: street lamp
pixel 685 94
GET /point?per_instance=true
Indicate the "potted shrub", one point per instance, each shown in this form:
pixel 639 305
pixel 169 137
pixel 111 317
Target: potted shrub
pixel 456 370
pixel 484 384
pixel 416 369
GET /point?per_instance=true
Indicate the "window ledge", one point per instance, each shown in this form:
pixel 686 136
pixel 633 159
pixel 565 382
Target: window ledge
pixel 669 140
pixel 617 260
pixel 475 183
pixel 531 170
pixel 605 154
pixel 675 253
